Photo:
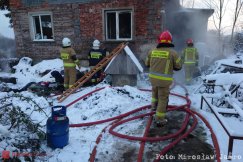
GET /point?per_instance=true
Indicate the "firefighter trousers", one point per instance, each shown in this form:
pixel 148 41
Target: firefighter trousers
pixel 96 78
pixel 160 99
pixel 189 71
pixel 69 76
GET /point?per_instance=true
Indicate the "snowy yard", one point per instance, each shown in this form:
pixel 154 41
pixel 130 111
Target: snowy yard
pixel 106 103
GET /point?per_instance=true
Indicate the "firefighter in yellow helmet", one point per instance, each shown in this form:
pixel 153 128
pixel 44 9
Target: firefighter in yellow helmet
pixel 70 61
pixel 190 58
pixel 162 61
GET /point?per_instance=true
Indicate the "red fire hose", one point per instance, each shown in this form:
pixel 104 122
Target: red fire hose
pixel 142 144
pixel 178 136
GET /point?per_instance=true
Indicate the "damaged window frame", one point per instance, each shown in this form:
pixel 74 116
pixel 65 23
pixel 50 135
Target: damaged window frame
pixel 34 35
pixel 116 33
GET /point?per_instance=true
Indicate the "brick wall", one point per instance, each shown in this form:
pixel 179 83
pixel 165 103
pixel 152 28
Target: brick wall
pixel 147 21
pixel 82 23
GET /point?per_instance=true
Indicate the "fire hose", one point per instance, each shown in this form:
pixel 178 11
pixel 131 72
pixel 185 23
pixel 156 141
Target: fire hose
pixel 118 120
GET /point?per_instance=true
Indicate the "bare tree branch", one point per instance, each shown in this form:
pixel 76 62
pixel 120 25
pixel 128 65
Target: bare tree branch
pixel 238 9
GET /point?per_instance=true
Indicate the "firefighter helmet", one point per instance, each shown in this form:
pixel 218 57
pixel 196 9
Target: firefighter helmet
pixel 66 42
pixel 165 37
pixel 96 43
pixel 189 41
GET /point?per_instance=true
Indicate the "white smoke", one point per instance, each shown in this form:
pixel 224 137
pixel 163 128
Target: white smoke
pixel 7 53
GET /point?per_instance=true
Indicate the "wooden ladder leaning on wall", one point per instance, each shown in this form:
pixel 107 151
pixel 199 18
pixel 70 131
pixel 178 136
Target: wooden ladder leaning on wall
pixel 89 74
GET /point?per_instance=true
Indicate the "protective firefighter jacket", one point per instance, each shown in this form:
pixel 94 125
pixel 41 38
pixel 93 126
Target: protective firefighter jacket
pixel 162 61
pixel 68 56
pixel 190 55
pixel 95 56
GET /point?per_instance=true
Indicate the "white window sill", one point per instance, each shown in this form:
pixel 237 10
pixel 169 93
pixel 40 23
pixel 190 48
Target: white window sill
pixel 118 40
pixel 43 40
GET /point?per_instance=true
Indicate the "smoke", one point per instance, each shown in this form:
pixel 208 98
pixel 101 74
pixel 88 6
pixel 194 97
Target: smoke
pixel 186 23
pixel 214 47
pixel 144 49
pixel 7 53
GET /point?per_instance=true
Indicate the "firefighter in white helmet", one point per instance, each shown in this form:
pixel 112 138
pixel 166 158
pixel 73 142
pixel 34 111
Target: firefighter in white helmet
pixel 68 55
pixel 95 55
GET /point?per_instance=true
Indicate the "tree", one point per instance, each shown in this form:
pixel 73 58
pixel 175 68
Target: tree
pixel 220 7
pixel 4 5
pixel 188 3
pixel 238 7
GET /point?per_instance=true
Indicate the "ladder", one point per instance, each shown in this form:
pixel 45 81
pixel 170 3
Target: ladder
pixel 89 74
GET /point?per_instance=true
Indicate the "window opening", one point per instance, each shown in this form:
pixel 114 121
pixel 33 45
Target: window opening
pixel 118 25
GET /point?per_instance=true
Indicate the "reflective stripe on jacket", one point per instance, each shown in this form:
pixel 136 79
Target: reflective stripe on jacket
pixel 190 55
pixel 160 76
pixel 162 61
pixel 66 56
pixel 69 64
pixel 95 56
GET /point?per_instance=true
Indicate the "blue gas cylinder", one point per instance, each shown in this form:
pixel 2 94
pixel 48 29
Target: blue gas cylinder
pixel 57 128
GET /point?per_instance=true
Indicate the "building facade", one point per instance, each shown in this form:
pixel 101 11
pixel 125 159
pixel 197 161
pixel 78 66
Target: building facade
pixel 40 25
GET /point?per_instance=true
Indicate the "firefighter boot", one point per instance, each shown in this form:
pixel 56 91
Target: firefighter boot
pixel 154 106
pixel 159 122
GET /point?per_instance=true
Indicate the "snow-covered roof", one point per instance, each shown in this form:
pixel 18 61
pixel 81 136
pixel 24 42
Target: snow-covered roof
pixel 225 78
pixel 231 62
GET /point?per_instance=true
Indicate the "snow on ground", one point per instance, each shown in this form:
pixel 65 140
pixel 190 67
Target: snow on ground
pixel 225 78
pixel 26 73
pixel 232 61
pixel 234 124
pixel 108 102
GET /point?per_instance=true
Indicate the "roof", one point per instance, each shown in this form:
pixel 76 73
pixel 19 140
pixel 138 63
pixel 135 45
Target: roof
pixel 193 11
pixel 124 63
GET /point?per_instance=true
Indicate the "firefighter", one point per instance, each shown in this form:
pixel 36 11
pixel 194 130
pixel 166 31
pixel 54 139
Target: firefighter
pixel 95 55
pixel 190 59
pixel 161 62
pixel 70 61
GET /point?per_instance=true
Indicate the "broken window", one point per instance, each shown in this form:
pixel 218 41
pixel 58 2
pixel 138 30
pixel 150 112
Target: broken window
pixel 118 25
pixel 42 27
